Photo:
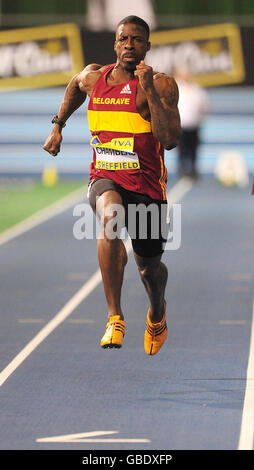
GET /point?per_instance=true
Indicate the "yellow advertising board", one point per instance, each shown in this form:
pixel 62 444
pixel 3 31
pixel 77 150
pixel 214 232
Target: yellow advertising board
pixel 212 53
pixel 40 57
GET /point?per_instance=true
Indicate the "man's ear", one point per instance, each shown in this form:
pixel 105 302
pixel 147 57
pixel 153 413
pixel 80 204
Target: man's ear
pixel 148 46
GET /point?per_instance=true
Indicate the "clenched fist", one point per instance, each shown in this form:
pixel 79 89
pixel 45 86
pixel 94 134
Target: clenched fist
pixel 145 75
pixel 53 142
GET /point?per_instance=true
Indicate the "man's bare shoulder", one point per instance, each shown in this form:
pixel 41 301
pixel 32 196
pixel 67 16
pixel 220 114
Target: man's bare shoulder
pixel 166 85
pixel 163 81
pixel 89 76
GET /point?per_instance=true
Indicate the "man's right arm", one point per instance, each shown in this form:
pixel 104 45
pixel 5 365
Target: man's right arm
pixel 74 96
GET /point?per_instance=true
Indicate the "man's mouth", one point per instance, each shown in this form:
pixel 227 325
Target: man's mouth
pixel 129 56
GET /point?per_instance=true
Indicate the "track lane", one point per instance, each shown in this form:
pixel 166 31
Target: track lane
pixel 176 193
pixel 189 396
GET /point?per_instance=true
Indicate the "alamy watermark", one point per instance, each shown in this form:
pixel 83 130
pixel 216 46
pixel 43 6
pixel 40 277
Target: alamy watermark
pixel 153 222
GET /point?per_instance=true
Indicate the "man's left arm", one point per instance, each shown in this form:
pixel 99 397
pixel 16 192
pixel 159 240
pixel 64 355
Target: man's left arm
pixel 162 97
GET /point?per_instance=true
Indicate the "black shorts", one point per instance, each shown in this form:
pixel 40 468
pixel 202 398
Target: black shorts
pixel 150 241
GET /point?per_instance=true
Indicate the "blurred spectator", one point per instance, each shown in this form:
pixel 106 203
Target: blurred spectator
pixel 105 14
pixel 193 107
pixel 252 188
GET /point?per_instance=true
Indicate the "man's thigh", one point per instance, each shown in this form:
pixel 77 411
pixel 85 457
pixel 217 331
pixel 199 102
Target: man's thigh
pixel 146 222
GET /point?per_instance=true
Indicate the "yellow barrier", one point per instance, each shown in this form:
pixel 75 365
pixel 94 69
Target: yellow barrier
pixel 213 53
pixel 40 57
pixel 49 176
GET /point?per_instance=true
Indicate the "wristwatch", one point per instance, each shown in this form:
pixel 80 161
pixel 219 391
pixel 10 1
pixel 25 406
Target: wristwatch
pixel 55 120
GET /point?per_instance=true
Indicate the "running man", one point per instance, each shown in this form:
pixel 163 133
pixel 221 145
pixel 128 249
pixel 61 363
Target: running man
pixel 133 108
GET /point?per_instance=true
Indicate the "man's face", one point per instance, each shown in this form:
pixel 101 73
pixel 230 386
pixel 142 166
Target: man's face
pixel 131 45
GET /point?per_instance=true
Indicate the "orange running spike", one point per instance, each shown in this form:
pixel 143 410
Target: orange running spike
pixel 155 335
pixel 115 330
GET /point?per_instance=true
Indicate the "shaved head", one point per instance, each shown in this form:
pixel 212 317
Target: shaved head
pixel 135 20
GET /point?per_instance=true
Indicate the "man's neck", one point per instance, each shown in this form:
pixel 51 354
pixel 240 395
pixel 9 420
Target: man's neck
pixel 119 75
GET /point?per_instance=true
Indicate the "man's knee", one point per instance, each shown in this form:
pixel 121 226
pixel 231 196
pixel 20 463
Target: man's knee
pixel 148 274
pixel 111 214
pixel 149 268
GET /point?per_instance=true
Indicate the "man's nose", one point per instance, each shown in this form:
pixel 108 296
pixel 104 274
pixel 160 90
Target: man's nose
pixel 129 44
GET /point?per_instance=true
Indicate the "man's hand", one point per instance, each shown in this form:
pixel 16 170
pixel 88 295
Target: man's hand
pixel 252 189
pixel 162 98
pixel 53 142
pixel 145 75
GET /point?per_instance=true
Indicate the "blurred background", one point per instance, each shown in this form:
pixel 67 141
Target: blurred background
pixel 43 45
pixel 192 397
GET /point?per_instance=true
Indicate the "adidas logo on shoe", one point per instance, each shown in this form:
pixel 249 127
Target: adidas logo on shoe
pixel 114 333
pixel 126 89
pixel 155 335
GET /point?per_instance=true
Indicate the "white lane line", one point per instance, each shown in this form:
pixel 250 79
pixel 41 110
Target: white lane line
pixel 246 440
pixel 51 325
pixel 86 437
pixel 174 195
pixel 44 214
pixel 69 437
pixel 109 441
pixel 178 191
pixel 77 321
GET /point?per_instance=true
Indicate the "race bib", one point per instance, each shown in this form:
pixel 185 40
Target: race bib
pixel 122 143
pixel 115 155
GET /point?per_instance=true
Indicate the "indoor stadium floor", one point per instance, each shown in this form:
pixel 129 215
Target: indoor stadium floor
pixel 196 393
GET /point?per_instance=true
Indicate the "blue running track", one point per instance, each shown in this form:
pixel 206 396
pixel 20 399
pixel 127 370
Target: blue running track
pixel 197 393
